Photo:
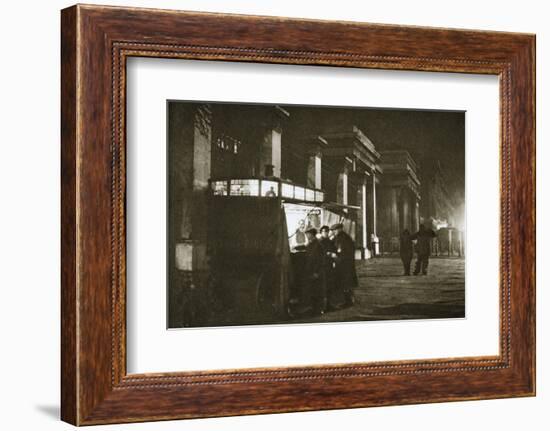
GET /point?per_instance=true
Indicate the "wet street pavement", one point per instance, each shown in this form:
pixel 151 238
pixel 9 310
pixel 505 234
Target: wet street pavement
pixel 385 294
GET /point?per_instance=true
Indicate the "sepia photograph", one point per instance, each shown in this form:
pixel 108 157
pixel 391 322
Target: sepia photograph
pixel 293 214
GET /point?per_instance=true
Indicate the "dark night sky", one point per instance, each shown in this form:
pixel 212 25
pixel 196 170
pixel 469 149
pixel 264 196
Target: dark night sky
pixel 429 136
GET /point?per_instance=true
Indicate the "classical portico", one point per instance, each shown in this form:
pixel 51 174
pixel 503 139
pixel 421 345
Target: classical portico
pixel 352 160
pixel 400 197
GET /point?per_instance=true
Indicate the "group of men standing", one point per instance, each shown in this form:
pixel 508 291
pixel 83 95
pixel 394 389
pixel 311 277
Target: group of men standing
pixel 329 275
pixel 329 272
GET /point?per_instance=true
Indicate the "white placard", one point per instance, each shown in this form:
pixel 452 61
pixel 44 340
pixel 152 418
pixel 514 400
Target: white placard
pixel 153 348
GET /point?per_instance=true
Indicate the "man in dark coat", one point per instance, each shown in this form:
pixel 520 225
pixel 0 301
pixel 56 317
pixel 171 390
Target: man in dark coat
pixel 330 277
pixel 346 277
pixel 315 272
pixel 406 251
pixel 423 248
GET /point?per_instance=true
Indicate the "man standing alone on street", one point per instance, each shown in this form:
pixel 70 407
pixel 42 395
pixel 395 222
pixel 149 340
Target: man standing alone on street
pixel 344 257
pixel 423 247
pixel 406 251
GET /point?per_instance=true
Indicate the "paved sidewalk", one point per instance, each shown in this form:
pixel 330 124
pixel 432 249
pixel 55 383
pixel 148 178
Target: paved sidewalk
pixel 385 294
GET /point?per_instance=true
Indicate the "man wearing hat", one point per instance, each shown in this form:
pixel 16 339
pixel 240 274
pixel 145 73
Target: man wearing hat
pixel 423 247
pixel 315 272
pixel 330 277
pixel 346 277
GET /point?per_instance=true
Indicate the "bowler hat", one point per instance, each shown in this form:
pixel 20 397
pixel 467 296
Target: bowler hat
pixel 312 231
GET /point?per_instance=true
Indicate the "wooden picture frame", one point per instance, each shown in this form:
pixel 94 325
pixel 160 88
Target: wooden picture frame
pixel 95 43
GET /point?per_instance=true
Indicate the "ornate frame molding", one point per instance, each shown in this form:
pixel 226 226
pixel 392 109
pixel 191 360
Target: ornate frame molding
pixel 96 41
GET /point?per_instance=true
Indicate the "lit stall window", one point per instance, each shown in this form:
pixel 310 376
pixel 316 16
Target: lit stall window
pixel 219 188
pixel 319 196
pixel 270 189
pixel 287 190
pixel 310 195
pixel 299 193
pixel 245 187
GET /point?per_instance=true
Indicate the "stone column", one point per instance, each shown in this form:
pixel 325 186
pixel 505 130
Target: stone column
pixel 373 215
pixel 406 202
pixel 415 214
pixel 314 171
pixel 270 140
pixel 401 215
pixel 374 234
pixel 394 211
pixel 189 162
pixel 364 217
pixel 314 152
pixel 342 188
pixel 358 186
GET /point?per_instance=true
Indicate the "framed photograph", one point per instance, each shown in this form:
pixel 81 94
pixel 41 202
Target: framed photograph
pixel 264 214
